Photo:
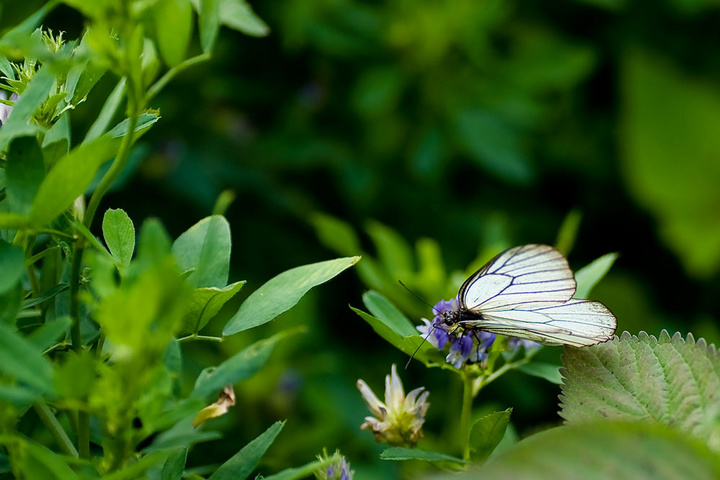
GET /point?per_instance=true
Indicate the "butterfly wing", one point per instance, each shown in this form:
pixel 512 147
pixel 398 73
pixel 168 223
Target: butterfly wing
pixel 523 278
pixel 577 322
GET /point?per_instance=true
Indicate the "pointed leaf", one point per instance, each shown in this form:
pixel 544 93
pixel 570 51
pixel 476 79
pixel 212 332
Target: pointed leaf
pixel 589 276
pixel 107 113
pixel 238 15
pixel 18 124
pixel 487 432
pixel 399 453
pixel 382 308
pixel 175 464
pixel 243 462
pixel 283 292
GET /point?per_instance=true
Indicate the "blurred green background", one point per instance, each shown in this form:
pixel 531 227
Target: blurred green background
pixel 479 124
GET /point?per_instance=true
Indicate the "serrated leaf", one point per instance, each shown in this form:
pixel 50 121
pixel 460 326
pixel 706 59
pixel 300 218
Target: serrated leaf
pixel 487 432
pixel 673 381
pixel 589 276
pixel 243 463
pixel 548 371
pixel 205 303
pixel 205 247
pixel 399 453
pixel 599 451
pixel 119 234
pixel 282 292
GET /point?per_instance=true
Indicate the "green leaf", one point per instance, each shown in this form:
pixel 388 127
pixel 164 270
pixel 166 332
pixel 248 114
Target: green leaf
pixel 568 232
pixel 68 179
pixel 18 124
pixel 394 253
pixel 41 462
pixel 75 378
pixel 175 464
pixel 589 276
pixel 243 463
pixel 135 470
pixel 681 195
pixel 48 334
pixel 12 266
pixel 209 23
pixel 205 248
pixel 673 381
pixel 238 15
pixel 390 315
pixel 22 360
pixel 399 453
pixel 599 451
pixel 144 122
pixel 205 303
pixel 336 234
pixel 107 112
pixel 45 296
pixel 298 473
pixel 240 366
pixel 119 234
pixel 548 371
pixel 10 304
pixel 12 221
pixel 24 174
pixel 283 292
pixel 173 27
pixel 487 432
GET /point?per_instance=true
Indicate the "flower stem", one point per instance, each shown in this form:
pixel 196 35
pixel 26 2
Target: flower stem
pixel 55 429
pixel 465 414
pixel 195 336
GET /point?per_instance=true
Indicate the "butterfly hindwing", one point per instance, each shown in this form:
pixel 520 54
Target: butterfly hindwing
pixel 521 278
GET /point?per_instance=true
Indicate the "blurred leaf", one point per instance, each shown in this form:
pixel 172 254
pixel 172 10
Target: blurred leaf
pixel 336 234
pixel 107 113
pixel 299 473
pixel 589 276
pixel 487 432
pixel 173 27
pixel 243 463
pixel 602 450
pixel 119 234
pixel 204 303
pixel 672 381
pixel 175 464
pixel 68 179
pixel 18 124
pixel 205 247
pixel 12 266
pixel 394 253
pixel 670 155
pixel 568 232
pixel 135 470
pixel 282 292
pixel 547 371
pixel 12 221
pixel 45 296
pixel 399 453
pixel 378 90
pixel 494 145
pixel 40 462
pixel 182 434
pixel 238 15
pixel 48 334
pixel 75 378
pixel 27 26
pixel 240 366
pixel 10 304
pixel 22 360
pixel 209 23
pixel 24 173
pixel 144 122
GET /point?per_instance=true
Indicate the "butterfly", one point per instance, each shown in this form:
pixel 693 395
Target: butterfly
pixel 527 292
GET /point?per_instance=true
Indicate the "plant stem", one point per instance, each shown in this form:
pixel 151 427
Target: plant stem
pixel 55 429
pixel 160 84
pixel 465 414
pixel 195 336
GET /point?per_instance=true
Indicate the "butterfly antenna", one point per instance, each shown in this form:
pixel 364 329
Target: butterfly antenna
pixel 417 296
pixel 432 327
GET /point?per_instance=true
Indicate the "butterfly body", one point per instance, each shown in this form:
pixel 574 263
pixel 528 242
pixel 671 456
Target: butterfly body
pixel 527 292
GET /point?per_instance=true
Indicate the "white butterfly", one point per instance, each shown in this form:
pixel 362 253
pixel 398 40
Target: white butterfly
pixel 527 292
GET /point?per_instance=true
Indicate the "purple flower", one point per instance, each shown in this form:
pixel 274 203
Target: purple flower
pixel 5 110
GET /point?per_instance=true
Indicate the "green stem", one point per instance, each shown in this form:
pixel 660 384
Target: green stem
pixel 465 414
pixel 170 74
pixel 55 429
pixel 195 336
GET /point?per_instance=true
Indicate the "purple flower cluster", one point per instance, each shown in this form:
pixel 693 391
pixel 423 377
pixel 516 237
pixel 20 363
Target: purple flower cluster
pixel 467 345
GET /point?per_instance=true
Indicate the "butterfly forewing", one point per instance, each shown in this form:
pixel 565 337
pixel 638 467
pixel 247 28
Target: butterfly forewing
pixel 522 278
